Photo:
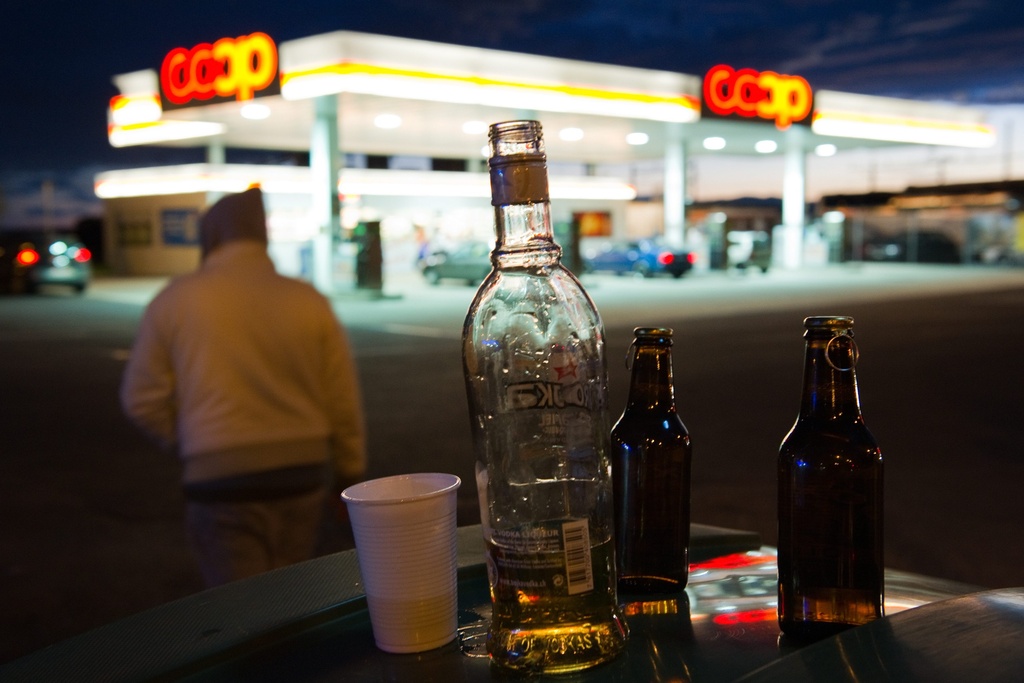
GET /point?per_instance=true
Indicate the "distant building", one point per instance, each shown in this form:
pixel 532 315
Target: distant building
pixel 967 222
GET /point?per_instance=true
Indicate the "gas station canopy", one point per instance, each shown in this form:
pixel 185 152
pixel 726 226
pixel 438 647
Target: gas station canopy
pixel 435 89
pixel 346 92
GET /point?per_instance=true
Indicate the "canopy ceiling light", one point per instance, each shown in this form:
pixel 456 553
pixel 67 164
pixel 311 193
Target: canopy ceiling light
pixel 255 111
pixel 387 121
pixel 714 143
pixel 571 134
pixel 474 127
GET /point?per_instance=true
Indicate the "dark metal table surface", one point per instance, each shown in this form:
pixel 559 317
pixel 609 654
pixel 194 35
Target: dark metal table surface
pixel 309 622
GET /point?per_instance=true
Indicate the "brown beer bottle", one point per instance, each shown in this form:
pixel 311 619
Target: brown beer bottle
pixel 830 495
pixel 651 474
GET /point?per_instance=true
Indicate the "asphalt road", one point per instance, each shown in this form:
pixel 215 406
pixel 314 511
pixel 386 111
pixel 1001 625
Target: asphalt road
pixel 91 513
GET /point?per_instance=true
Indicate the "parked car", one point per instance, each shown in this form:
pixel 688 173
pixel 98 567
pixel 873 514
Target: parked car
pixel 470 262
pixel 30 259
pixel 644 258
pixel 749 249
pixel 999 255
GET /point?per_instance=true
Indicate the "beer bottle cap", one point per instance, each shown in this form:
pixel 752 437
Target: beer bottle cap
pixel 830 322
pixel 653 334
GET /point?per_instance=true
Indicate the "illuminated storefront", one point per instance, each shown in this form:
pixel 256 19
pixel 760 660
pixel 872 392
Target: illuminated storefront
pixel 426 106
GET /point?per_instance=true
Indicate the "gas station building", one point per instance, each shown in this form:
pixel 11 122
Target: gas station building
pixel 395 132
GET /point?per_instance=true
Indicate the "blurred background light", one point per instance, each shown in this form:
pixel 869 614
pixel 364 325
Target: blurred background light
pixel 387 121
pixel 254 111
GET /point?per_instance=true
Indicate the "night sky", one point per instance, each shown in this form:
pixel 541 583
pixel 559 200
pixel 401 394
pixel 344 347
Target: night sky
pixel 58 58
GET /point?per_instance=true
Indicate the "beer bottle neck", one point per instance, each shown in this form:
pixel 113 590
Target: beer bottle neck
pixel 830 378
pixel 650 384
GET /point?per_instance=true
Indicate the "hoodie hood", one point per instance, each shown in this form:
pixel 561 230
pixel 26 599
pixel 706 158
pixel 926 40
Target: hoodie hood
pixel 234 217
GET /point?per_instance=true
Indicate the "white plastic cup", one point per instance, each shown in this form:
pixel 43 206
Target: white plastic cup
pixel 405 532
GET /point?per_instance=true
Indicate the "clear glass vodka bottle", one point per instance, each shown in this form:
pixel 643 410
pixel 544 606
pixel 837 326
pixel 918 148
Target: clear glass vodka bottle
pixel 533 356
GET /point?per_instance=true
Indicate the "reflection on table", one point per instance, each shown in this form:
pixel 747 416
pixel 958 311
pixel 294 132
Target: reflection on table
pixel 309 623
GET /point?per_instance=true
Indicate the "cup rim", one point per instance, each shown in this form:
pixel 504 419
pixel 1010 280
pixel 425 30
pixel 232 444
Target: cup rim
pixel 351 494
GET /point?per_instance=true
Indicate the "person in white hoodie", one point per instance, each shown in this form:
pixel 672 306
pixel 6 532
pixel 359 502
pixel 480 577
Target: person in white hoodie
pixel 247 376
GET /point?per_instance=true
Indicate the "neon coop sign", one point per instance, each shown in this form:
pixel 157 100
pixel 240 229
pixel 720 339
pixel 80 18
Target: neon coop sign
pixel 762 94
pixel 231 68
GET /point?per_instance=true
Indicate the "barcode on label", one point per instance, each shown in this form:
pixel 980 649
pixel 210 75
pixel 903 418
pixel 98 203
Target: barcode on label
pixel 578 571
